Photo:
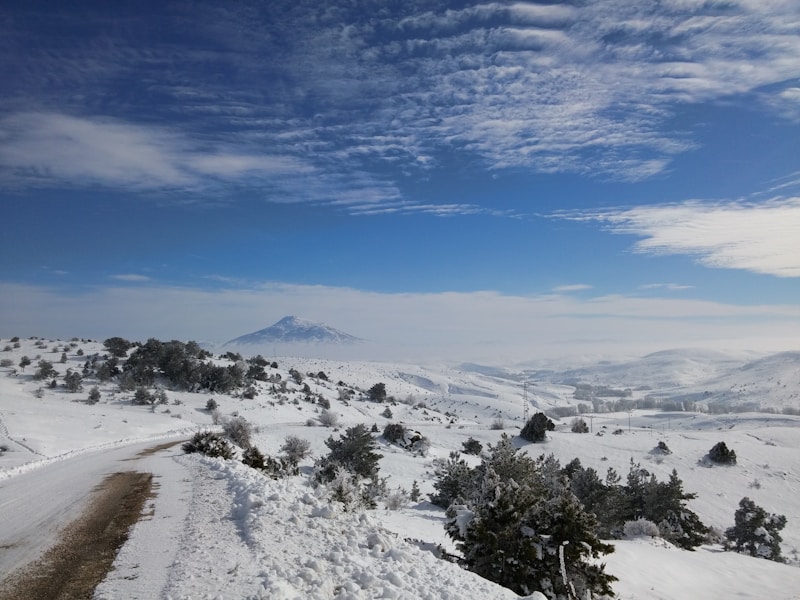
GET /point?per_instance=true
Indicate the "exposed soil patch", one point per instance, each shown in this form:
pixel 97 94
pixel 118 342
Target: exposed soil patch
pixel 74 567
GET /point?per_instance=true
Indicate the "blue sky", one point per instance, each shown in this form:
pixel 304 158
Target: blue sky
pixel 552 178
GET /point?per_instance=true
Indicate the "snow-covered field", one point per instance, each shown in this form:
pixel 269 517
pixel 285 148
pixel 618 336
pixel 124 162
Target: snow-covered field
pixel 218 529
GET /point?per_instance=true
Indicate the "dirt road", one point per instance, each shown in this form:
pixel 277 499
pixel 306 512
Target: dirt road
pixel 86 548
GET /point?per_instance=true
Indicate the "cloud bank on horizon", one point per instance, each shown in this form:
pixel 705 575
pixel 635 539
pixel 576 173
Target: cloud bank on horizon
pixel 613 153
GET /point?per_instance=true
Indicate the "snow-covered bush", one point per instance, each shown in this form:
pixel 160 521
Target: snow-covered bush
pixel 640 528
pixel 239 430
pixel 295 449
pixel 210 444
pixel 394 432
pixel 346 488
pixel 579 425
pixel 396 499
pixel 253 458
pixel 94 395
pixel 328 418
pixel 661 448
pixel 472 446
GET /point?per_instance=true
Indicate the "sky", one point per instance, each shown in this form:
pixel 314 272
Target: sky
pixel 498 179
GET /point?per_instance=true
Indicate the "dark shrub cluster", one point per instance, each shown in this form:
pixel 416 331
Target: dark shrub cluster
pixel 210 444
pixel 721 454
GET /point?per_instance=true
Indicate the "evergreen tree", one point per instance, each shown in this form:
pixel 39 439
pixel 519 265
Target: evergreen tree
pixel 721 454
pixel 756 532
pixel 519 518
pixel 453 481
pixel 73 381
pixel 377 393
pixel 535 430
pixel 354 452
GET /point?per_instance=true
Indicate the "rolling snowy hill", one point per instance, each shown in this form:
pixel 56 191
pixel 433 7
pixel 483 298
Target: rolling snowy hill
pixel 223 529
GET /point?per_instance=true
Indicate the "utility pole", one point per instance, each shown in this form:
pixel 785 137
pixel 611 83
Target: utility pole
pixel 525 401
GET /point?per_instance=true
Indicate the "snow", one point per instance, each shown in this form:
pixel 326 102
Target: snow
pixel 218 529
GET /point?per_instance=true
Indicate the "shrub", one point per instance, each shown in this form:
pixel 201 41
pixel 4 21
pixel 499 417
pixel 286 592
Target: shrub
pixel 295 449
pixel 72 381
pixel 44 370
pixel 24 362
pixel 472 446
pixel 640 527
pixel 344 487
pixel 7 362
pixel 142 397
pixel 210 444
pixel 535 430
pixel 756 532
pixel 211 404
pixel 328 418
pixel 721 454
pixel 394 432
pixel 498 424
pixel 579 426
pixel 239 431
pixel 662 448
pixel 94 395
pixel 253 458
pixel 296 375
pixel 397 499
pixel 387 413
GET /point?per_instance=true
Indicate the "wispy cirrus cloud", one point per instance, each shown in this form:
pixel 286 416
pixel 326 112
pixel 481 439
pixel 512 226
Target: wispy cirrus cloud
pixel 263 96
pixel 38 147
pixel 762 237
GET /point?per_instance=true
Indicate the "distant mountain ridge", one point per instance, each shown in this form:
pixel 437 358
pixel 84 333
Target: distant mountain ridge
pixel 293 330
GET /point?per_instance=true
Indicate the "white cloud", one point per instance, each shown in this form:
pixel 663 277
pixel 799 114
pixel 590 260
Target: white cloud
pixel 550 88
pixel 131 277
pixel 673 287
pixel 485 326
pixel 56 148
pixel 574 287
pixel 762 238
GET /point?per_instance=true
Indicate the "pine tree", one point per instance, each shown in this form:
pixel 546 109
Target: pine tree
pixel 535 430
pixel 354 452
pixel 519 518
pixel 756 531
pixel 453 481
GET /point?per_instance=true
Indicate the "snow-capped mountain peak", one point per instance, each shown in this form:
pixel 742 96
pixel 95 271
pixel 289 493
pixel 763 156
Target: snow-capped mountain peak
pixel 291 329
